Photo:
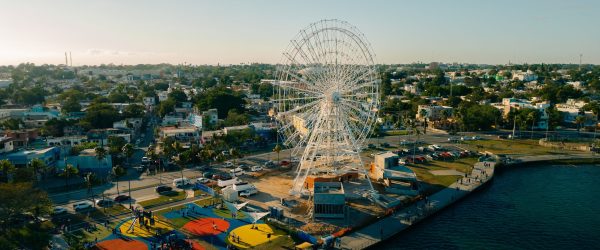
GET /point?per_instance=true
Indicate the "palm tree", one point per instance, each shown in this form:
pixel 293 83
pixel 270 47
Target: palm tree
pixel 7 168
pixel 89 178
pixel 101 153
pixel 69 171
pixel 531 117
pixel 277 149
pixel 417 132
pixel 207 155
pixel 118 171
pixel 181 160
pixel 235 153
pixel 37 166
pixel 128 151
pixel 579 120
pixel 423 114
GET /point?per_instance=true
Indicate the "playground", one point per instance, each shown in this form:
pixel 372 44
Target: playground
pixel 248 236
pixel 189 226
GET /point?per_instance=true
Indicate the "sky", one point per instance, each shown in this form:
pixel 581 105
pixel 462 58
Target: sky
pixel 258 31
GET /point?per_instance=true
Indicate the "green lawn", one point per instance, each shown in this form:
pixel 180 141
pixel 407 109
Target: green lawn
pixel 511 147
pixel 101 212
pixel 433 183
pixel 164 199
pixel 207 201
pixel 225 213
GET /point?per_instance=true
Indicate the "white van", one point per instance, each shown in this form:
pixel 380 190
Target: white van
pixel 181 182
pixel 237 172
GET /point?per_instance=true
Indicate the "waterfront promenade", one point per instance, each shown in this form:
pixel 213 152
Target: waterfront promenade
pixel 387 227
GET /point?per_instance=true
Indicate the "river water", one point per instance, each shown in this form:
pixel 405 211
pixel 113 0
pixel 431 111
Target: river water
pixel 533 207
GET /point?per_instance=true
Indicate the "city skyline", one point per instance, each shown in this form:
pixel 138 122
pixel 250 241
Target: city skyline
pixel 234 32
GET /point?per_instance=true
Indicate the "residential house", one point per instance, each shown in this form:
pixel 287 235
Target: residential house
pixel 6 145
pixel 22 138
pixel 189 134
pixel 88 162
pixel 433 112
pixel 21 158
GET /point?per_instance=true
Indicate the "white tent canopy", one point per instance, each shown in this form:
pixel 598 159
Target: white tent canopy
pixel 255 216
pixel 234 207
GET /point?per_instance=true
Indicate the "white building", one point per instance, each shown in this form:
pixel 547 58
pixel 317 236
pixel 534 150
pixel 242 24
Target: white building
pixel 185 134
pixel 524 76
pixel 433 112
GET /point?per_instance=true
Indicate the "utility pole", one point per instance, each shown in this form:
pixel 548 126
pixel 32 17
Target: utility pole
pixel 580 56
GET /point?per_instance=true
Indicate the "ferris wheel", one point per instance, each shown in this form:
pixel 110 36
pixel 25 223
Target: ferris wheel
pixel 326 98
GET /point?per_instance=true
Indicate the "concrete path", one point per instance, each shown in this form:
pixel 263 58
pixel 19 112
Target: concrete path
pixel 404 218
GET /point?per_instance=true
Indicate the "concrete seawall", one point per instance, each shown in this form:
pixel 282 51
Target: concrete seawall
pixel 389 226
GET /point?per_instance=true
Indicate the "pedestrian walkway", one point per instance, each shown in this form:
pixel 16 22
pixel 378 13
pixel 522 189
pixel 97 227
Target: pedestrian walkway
pixel 404 218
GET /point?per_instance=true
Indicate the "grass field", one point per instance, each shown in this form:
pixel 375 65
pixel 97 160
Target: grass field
pixel 163 199
pixel 434 183
pixel 117 209
pixel 512 147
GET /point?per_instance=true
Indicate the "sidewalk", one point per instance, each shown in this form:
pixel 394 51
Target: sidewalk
pixel 400 220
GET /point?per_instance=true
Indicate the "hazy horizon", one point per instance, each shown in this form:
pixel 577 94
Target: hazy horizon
pixel 236 32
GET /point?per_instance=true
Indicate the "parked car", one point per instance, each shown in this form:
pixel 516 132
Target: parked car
pixel 385 145
pixel 405 142
pixel 371 146
pixel 121 198
pixel 284 163
pixel 202 180
pixel 228 164
pixel 82 205
pixel 269 164
pixel 163 188
pixel 202 168
pixel 453 139
pixel 248 192
pixel 59 210
pixel 295 160
pixel 181 182
pixel 207 174
pixel 243 166
pixel 104 202
pixel 256 168
pixel 237 172
pixel 145 160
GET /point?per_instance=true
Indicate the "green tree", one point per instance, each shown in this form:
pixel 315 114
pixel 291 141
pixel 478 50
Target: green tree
pixel 68 173
pixel 70 105
pixel 178 95
pixel 128 151
pixel 101 153
pixel 7 169
pixel 133 111
pixel 118 171
pixel 277 149
pixel 579 121
pixel 235 119
pixel 12 124
pixel 222 99
pixel 16 199
pixel 101 115
pixel 38 167
pixel 166 106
